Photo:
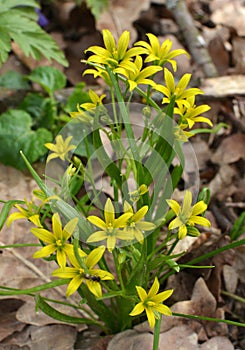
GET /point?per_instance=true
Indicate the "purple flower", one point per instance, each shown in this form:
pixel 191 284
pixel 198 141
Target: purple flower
pixel 42 20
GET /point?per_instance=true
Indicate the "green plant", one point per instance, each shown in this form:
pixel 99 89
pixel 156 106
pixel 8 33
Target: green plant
pixel 113 192
pixel 18 22
pixel 38 117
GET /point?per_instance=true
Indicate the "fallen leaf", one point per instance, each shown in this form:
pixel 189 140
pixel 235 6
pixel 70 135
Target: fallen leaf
pixel 231 12
pixel 230 150
pixel 8 321
pixel 221 87
pixel 217 343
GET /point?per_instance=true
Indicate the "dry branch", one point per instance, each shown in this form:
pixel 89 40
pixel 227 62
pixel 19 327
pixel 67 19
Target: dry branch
pixel 193 38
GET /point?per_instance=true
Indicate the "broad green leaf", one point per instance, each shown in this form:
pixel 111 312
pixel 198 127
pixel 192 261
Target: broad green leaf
pixel 78 96
pixel 41 110
pixel 50 78
pixel 20 25
pixel 13 80
pixel 6 5
pixel 16 134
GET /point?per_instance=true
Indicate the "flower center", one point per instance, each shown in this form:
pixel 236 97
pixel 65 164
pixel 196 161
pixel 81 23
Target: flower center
pixel 59 243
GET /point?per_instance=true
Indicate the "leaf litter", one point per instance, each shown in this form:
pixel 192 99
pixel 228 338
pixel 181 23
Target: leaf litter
pixel 221 163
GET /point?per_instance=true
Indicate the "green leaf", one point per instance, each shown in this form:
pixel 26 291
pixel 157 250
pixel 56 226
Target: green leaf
pixel 41 110
pixel 8 5
pixel 16 134
pixel 78 96
pixel 50 78
pixel 14 291
pixel 20 25
pixel 6 209
pixel 238 228
pixel 13 80
pixel 57 315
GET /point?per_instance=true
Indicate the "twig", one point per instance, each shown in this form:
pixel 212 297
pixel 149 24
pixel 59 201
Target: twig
pixel 193 38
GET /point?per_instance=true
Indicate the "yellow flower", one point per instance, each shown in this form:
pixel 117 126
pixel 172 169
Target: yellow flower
pixel 60 149
pixel 160 54
pixel 82 116
pixel 114 55
pixel 95 101
pixel 191 114
pixel 99 72
pixel 178 92
pixel 187 216
pixel 31 214
pixel 85 272
pixel 135 195
pixel 180 133
pixel 57 240
pixel 139 75
pixel 135 225
pixel 151 303
pixel 110 227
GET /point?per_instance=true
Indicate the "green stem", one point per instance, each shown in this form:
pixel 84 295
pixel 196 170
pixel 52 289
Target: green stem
pixel 20 245
pixel 233 296
pixel 157 333
pixel 211 319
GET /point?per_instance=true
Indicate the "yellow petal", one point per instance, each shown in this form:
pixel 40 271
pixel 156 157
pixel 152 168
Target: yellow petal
pixel 74 285
pixel 43 235
pixel 109 212
pixel 159 298
pixel 45 251
pixel 199 208
pixel 94 256
pixel 154 288
pixel 174 206
pixel 142 293
pixel 97 221
pixel 111 242
pixel 163 309
pixel 140 214
pixel 137 310
pixel 69 228
pixel 151 317
pixel 95 288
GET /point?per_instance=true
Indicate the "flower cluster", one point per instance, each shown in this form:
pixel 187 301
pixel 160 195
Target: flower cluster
pixel 127 227
pixel 129 65
pixel 119 230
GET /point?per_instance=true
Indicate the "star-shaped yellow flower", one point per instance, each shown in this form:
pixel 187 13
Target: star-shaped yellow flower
pixel 60 149
pixel 135 226
pixel 110 227
pixel 57 240
pixel 160 53
pixel 190 114
pixel 95 101
pixel 85 272
pixel 187 216
pixel 139 75
pixel 151 303
pixel 30 213
pixel 179 91
pixel 114 55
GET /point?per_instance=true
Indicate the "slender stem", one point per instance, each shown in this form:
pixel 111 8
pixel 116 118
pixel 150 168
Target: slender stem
pixel 204 318
pixel 157 333
pixel 233 296
pixel 20 245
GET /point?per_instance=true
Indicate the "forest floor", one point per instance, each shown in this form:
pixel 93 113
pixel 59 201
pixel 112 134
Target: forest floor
pixel 220 156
